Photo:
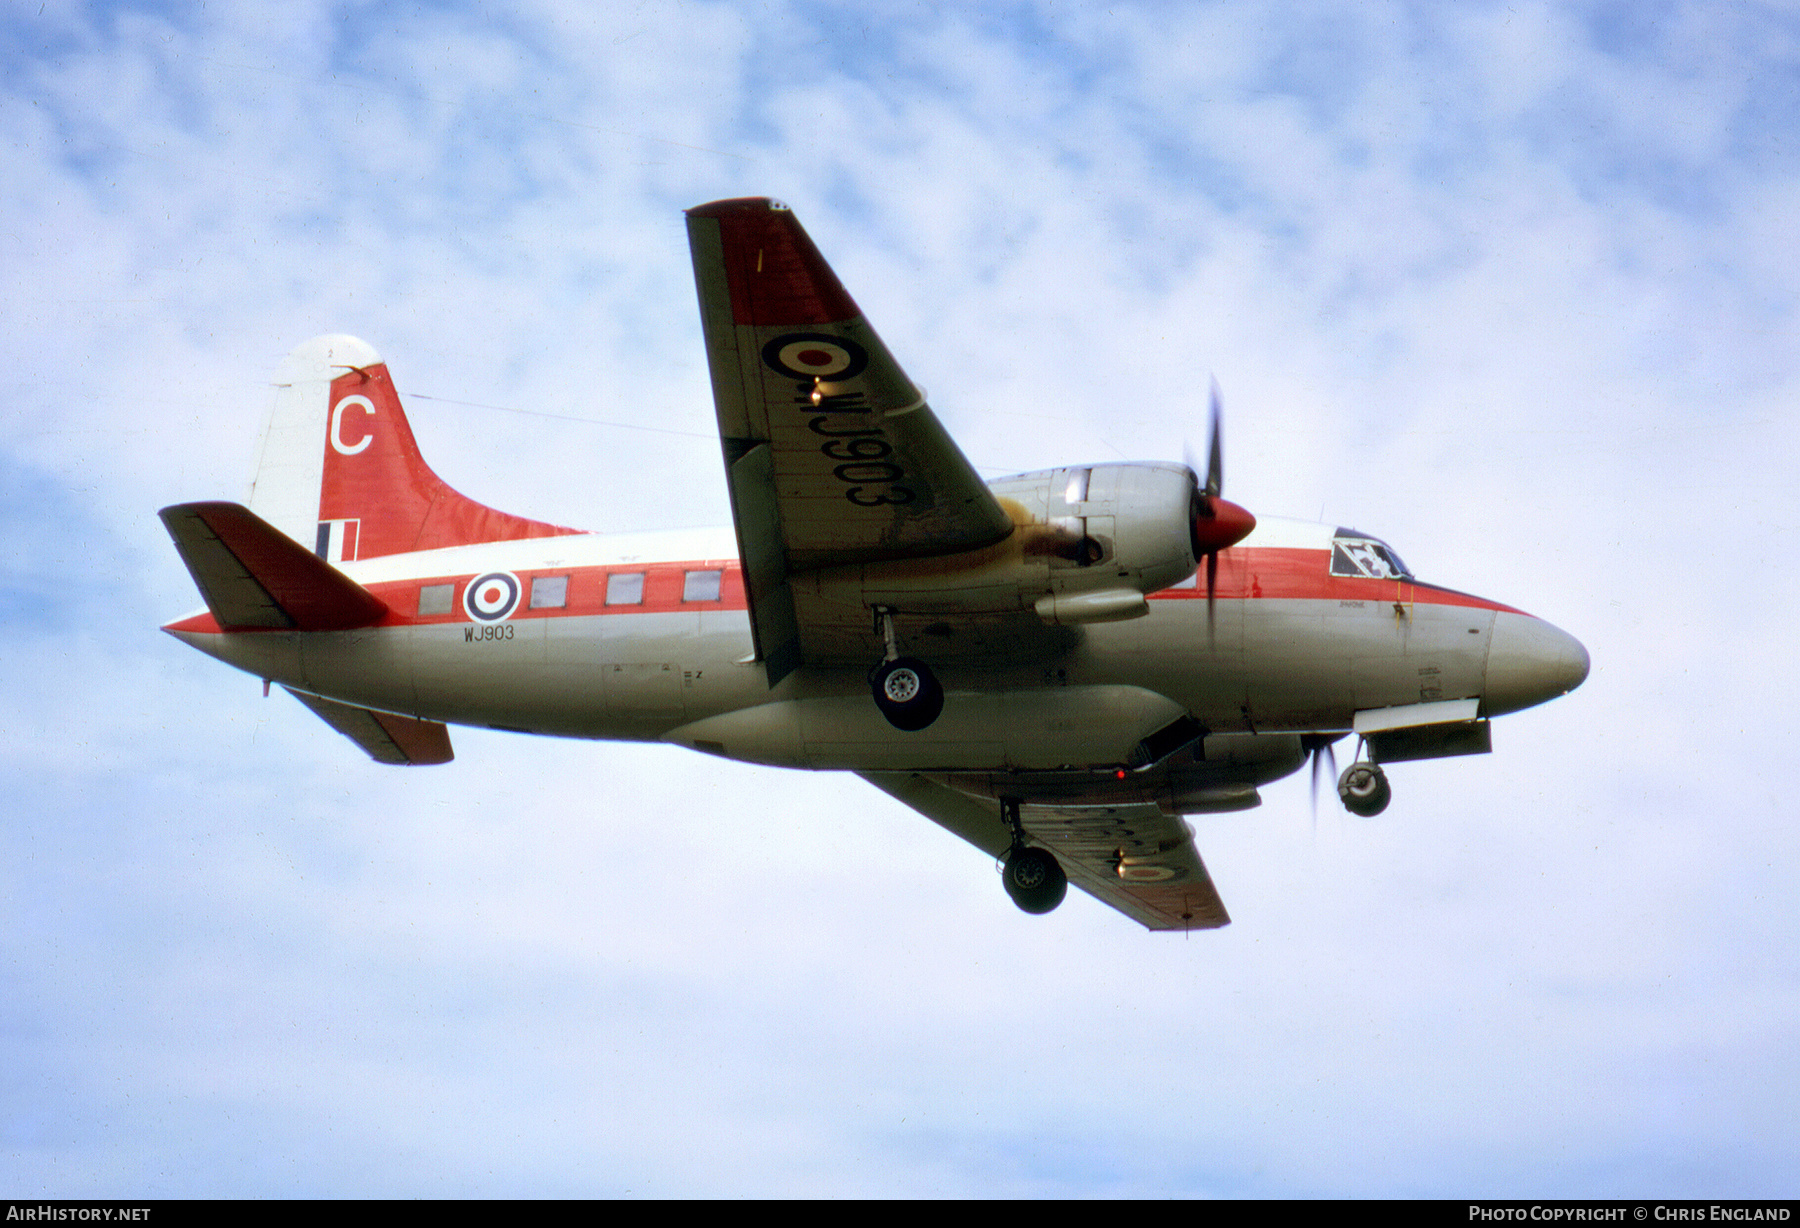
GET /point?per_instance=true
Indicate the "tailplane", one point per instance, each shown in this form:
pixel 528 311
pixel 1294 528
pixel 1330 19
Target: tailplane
pixel 338 469
pixel 255 578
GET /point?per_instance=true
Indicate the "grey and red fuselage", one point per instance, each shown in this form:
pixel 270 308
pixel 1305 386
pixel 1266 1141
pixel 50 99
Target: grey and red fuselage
pixel 1112 636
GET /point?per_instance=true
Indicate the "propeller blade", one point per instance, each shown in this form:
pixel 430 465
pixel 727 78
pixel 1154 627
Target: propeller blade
pixel 1218 524
pixel 1320 746
pixel 1214 524
pixel 1212 584
pixel 1215 460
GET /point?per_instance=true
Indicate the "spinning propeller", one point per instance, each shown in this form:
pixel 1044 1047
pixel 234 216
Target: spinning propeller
pixel 1214 524
pixel 1317 746
pixel 1217 524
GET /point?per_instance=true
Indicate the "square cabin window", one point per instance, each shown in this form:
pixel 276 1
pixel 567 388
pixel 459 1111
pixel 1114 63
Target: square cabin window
pixel 549 592
pixel 625 588
pixel 701 586
pixel 435 598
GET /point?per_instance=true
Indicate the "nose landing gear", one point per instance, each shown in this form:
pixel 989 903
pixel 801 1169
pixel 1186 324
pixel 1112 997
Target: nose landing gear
pixel 1364 789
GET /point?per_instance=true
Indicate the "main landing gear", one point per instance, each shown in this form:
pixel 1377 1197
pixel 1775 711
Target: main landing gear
pixel 1034 878
pixel 905 689
pixel 1364 789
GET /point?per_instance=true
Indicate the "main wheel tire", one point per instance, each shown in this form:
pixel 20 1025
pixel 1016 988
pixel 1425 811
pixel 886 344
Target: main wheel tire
pixel 908 693
pixel 1364 790
pixel 1035 880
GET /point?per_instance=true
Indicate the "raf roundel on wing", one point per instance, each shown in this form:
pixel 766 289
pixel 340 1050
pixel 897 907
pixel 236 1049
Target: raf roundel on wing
pixel 815 356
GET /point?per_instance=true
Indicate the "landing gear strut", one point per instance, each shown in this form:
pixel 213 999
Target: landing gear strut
pixel 1364 789
pixel 905 689
pixel 1033 877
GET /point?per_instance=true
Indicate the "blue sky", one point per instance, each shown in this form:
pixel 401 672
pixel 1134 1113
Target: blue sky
pixel 1510 285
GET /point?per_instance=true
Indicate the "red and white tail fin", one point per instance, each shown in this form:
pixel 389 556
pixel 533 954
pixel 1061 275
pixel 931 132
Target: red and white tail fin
pixel 339 471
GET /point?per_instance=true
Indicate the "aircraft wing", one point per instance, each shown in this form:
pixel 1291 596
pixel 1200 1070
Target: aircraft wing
pixel 831 454
pixel 1134 858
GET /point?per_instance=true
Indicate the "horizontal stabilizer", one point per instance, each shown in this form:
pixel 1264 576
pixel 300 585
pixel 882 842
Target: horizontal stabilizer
pixel 386 737
pixel 254 576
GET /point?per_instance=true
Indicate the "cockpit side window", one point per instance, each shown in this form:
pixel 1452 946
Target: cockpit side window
pixel 1369 558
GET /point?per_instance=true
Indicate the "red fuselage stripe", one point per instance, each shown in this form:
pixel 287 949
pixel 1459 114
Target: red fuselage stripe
pixel 1244 574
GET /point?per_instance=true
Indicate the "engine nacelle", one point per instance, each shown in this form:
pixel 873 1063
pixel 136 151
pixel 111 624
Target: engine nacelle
pixel 1088 543
pixel 1119 527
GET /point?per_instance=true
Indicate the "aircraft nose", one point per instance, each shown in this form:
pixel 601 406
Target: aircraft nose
pixel 1530 661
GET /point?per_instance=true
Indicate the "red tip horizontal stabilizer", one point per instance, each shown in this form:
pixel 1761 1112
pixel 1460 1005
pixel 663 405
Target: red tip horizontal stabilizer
pixel 254 576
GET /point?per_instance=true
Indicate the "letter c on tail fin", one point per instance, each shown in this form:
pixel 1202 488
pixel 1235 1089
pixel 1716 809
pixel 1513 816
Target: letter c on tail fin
pixel 337 450
pixel 337 425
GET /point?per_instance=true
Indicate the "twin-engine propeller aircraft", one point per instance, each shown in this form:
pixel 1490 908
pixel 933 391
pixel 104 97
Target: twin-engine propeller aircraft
pixel 1056 666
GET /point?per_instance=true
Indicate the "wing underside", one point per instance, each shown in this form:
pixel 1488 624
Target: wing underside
pixel 1134 858
pixel 832 456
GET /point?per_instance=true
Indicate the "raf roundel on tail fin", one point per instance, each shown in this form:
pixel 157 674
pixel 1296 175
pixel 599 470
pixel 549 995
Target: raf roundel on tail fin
pixel 339 471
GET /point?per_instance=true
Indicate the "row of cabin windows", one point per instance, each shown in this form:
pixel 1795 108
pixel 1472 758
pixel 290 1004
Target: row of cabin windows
pixel 552 592
pixel 627 587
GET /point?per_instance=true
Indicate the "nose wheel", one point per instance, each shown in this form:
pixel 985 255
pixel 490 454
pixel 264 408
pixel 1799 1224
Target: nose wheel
pixel 907 692
pixel 1364 790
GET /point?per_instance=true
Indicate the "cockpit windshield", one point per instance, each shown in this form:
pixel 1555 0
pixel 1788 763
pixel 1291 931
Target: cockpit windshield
pixel 1358 554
